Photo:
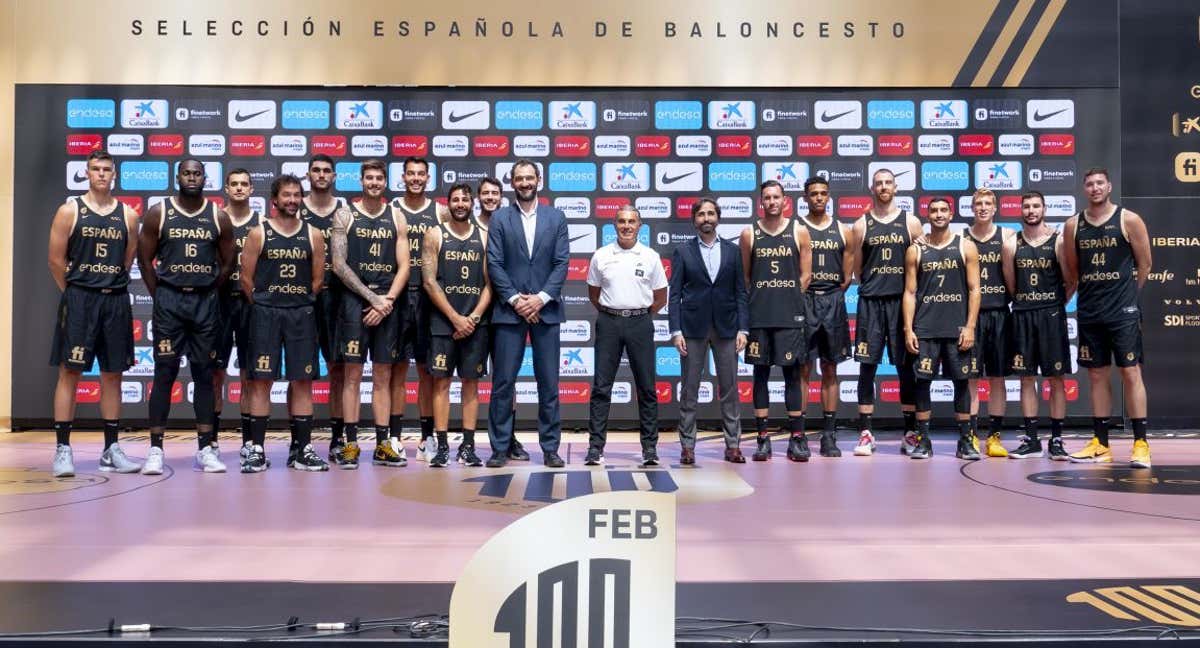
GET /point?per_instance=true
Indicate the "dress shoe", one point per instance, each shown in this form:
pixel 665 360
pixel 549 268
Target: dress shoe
pixel 552 460
pixel 687 457
pixel 497 460
pixel 734 455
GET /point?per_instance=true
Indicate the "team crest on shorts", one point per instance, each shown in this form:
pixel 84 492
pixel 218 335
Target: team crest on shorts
pixel 1057 366
pixel 1129 356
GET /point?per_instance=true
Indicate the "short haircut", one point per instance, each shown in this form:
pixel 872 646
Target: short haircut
pixel 460 186
pixel 631 209
pixel 941 199
pixel 284 180
pixel 378 165
pixel 492 181
pixel 1033 193
pixel 100 154
pixel 190 159
pixel 526 162
pixel 883 170
pixel 236 171
pixel 412 159
pixel 1096 171
pixel 983 193
pixel 768 184
pixel 706 199
pixel 320 157
pixel 815 180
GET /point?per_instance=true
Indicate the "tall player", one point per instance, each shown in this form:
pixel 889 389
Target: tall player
pixel 777 255
pixel 317 209
pixel 90 255
pixel 235 310
pixel 282 269
pixel 422 214
pixel 992 335
pixel 879 241
pixel 455 271
pixel 941 304
pixel 371 259
pixel 1108 250
pixel 828 321
pixel 185 251
pixel 1033 271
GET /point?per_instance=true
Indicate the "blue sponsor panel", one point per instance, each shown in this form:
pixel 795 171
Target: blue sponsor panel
pixel 526 370
pixel 144 176
pixel 91 113
pixel 305 115
pixel 666 361
pixel 572 176
pixel 945 176
pixel 519 115
pixel 732 176
pixel 678 115
pixel 608 234
pixel 891 114
pixel 349 176
pixel 852 299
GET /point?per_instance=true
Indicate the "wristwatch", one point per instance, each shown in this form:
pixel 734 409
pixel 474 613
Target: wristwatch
pixel 474 318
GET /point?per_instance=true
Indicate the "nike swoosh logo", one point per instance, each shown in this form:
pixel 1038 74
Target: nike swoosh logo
pixel 454 119
pixel 826 117
pixel 239 117
pixel 80 178
pixel 581 236
pixel 666 179
pixel 1037 116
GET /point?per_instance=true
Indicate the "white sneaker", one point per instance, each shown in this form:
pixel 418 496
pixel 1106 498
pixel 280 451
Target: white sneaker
pixel 154 462
pixel 909 444
pixel 866 444
pixel 431 448
pixel 421 448
pixel 64 462
pixel 209 461
pixel 398 446
pixel 114 460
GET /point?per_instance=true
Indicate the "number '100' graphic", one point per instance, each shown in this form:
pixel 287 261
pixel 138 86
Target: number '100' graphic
pixel 511 619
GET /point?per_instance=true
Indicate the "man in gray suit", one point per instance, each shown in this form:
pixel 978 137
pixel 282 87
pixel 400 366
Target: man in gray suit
pixel 707 308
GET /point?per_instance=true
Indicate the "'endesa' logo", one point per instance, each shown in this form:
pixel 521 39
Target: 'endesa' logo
pixel 652 146
pixel 577 269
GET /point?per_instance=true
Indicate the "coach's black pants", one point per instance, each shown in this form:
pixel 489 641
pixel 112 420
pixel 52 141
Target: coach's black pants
pixel 635 336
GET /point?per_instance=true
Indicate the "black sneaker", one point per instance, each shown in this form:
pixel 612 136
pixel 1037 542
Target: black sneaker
pixel 649 457
pixel 441 457
pixel 798 448
pixel 966 449
pixel 923 448
pixel 467 456
pixel 763 451
pixel 829 447
pixel 516 451
pixel 308 460
pixel 1028 448
pixel 1057 451
pixel 594 457
pixel 497 460
pixel 255 459
pixel 293 453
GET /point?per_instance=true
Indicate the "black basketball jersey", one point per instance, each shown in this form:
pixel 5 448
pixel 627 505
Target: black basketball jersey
pixel 1107 276
pixel 419 222
pixel 240 232
pixel 775 297
pixel 1039 279
pixel 992 293
pixel 187 246
pixel 283 275
pixel 323 223
pixel 460 274
pixel 96 249
pixel 941 290
pixel 371 247
pixel 883 248
pixel 828 248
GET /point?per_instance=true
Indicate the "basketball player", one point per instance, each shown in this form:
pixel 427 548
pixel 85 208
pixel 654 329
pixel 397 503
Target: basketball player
pixel 992 335
pixel 941 305
pixel 1108 250
pixel 777 255
pixel 422 214
pixel 235 310
pixel 879 241
pixel 185 251
pixel 282 269
pixel 456 279
pixel 1033 264
pixel 90 255
pixel 828 322
pixel 371 260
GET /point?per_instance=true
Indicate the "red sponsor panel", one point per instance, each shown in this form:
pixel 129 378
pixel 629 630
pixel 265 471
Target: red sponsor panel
pixel 984 390
pixel 733 146
pixel 133 202
pixel 684 206
pixel 219 201
pixel 485 392
pixel 410 392
pixel 87 391
pixel 235 392
pixel 814 391
pixel 1070 387
pixel 403 145
pixel 83 143
pixel 176 391
pixel 662 389
pixel 253 145
pixel 852 207
pixel 889 391
pixel 976 145
pixel 853 326
pixel 814 145
pixel 542 200
pixel 608 207
pixel 577 269
pixel 491 145
pixel 652 145
pixel 666 264
pixel 789 207
pixel 745 391
pixel 335 145
pixel 1056 144
pixel 923 203
pixel 572 145
pixel 165 145
pixel 894 145
pixel 574 392
pixel 137 330
pixel 320 391
pixel 1010 206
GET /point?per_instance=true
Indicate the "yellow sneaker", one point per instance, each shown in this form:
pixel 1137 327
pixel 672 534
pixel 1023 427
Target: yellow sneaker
pixel 994 448
pixel 1094 452
pixel 975 442
pixel 349 456
pixel 386 455
pixel 1141 454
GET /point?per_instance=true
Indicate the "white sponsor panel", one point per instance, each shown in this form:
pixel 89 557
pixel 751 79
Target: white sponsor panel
pixel 582 238
pixel 728 231
pixel 773 145
pixel 964 206
pixel 206 144
pixel 1011 144
pixel 77 175
pixel 358 114
pixel 998 175
pixel 935 145
pixel 288 145
pixel 775 389
pixel 451 146
pixel 572 115
pixel 125 144
pixel 855 145
pixel 577 361
pixel 705 394
pixel 941 391
pixel 145 113
pixel 526 392
pixel 504 174
pixel 906 203
pixel 575 331
pixel 612 146
pixel 531 145
pixel 693 145
pixel 1060 206
pixel 574 206
pixel 732 115
pixel 662 331
pixel 632 176
pixel 848 391
pixel 1050 113
pixel 837 115
pixel 251 114
pixel 131 392
pixel 367 145
pixel 736 206
pixel 653 207
pixel 944 113
pixel 789 173
pixel 279 392
pixel 622 392
pixel 678 176
pixel 466 115
pixel 1072 328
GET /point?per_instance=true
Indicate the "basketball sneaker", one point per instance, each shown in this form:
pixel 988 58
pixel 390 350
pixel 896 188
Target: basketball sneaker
pixel 909 443
pixel 386 455
pixel 114 460
pixel 763 451
pixel 154 462
pixel 467 456
pixel 798 448
pixel 64 462
pixel 209 461
pixel 1141 454
pixel 1029 448
pixel 966 449
pixel 1093 452
pixel 255 460
pixel 441 457
pixel 866 444
pixel 994 447
pixel 350 454
pixel 1057 452
pixel 308 460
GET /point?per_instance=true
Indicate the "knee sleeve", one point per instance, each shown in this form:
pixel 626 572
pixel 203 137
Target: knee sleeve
pixel 202 396
pixel 866 384
pixel 160 393
pixel 762 395
pixel 793 388
pixel 908 381
pixel 921 389
pixel 962 396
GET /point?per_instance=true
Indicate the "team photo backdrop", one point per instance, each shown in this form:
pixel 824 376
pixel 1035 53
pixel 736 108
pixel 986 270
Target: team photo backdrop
pixel 658 149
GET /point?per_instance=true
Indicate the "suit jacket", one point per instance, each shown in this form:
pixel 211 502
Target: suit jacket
pixel 513 270
pixel 697 303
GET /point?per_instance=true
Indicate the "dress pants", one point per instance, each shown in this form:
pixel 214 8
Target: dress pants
pixel 725 358
pixel 635 336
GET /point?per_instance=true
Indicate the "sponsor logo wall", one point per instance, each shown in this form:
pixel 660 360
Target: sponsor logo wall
pixel 597 149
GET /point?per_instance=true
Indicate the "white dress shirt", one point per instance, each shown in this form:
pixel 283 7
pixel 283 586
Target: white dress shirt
pixel 711 255
pixel 627 278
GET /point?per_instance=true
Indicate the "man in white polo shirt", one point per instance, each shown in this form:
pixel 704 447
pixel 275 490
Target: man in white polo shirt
pixel 626 283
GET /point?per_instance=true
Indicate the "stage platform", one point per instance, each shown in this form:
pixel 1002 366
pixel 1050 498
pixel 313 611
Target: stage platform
pixel 853 549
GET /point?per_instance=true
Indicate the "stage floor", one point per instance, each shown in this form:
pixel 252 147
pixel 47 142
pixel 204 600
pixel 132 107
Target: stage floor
pixel 1002 537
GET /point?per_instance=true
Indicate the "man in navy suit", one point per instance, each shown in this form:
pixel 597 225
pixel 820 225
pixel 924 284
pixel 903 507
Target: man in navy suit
pixel 527 256
pixel 708 309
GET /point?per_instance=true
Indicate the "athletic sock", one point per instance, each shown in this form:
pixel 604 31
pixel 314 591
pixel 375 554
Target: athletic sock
pixel 829 422
pixel 204 438
pixel 62 432
pixel 258 430
pixel 796 425
pixel 974 421
pixel 922 426
pixel 995 424
pixel 760 424
pixel 426 427
pixel 382 432
pixel 964 428
pixel 468 437
pixel 396 422
pixel 111 428
pixel 337 430
pixel 1139 428
pixel 1056 426
pixel 303 427
pixel 1100 429
pixel 910 421
pixel 156 440
pixel 443 439
pixel 216 423
pixel 864 422
pixel 351 432
pixel 1031 427
pixel 247 430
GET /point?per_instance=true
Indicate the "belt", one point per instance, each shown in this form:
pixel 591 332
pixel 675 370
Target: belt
pixel 624 312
